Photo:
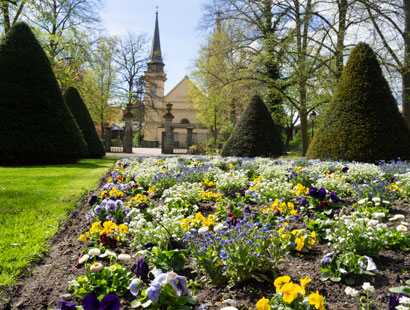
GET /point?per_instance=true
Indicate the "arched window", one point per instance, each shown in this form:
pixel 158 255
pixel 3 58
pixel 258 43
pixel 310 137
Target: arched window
pixel 153 90
pixel 184 121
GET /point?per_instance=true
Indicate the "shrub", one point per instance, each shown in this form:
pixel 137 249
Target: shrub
pixel 363 122
pixel 82 116
pixel 37 126
pixel 255 134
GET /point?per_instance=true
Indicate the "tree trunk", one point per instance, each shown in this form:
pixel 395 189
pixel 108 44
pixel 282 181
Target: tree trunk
pixel 406 64
pixel 289 136
pixel 6 15
pixel 342 8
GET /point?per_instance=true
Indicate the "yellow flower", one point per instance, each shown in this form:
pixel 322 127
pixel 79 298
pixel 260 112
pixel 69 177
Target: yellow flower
pixel 300 242
pixel 96 227
pixel 82 238
pixel 304 282
pixel 123 229
pixel 313 235
pixel 317 300
pixel 290 291
pixel 263 304
pixel 279 282
pixel 87 234
pixel 109 226
pixel 184 223
pixel 199 217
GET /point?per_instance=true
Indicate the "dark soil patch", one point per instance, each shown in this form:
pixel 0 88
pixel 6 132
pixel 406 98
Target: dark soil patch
pixel 49 280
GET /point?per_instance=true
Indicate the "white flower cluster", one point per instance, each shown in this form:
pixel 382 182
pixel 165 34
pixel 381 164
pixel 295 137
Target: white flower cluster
pixel 165 222
pixel 188 192
pixel 356 234
pixel 231 180
pixel 275 189
pixel 363 172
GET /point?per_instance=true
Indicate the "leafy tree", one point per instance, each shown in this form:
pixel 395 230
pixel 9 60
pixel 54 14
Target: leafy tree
pixel 37 126
pixel 64 28
pixel 219 90
pixel 99 86
pixel 362 122
pixel 255 134
pixel 82 116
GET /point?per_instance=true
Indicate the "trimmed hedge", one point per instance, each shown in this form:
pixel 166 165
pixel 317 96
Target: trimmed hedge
pixel 37 126
pixel 255 134
pixel 83 118
pixel 363 122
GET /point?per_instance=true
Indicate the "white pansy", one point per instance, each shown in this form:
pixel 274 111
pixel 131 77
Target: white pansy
pixel 83 259
pixel 379 215
pixel 368 287
pixel 203 229
pixel 219 227
pixel 404 300
pixel 349 291
pixel 124 257
pixel 94 252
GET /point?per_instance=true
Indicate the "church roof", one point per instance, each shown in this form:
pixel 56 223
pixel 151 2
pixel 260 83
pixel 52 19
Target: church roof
pixel 186 78
pixel 156 55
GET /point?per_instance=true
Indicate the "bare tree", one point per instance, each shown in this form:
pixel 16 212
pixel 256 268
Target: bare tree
pixel 391 25
pixel 11 11
pixel 131 62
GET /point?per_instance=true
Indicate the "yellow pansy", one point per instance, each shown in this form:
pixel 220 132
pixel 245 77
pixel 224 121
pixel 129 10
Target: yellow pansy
pixel 263 304
pixel 109 226
pixel 300 242
pixel 96 227
pixel 317 300
pixel 123 229
pixel 303 283
pixel 279 282
pixel 290 291
pixel 82 238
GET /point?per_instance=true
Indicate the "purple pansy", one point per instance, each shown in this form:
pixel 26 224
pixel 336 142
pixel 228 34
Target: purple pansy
pixel 334 198
pixel 142 269
pixel 109 302
pixel 65 305
pixel 326 260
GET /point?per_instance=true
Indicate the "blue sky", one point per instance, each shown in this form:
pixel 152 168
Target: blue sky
pixel 178 23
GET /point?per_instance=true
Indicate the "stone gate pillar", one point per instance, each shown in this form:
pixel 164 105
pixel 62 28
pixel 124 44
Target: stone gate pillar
pixel 128 116
pixel 168 136
pixel 189 137
pixel 108 135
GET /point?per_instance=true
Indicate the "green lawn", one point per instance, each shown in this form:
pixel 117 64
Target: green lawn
pixel 33 200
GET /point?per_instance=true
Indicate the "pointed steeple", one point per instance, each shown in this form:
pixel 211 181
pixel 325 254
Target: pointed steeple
pixel 155 63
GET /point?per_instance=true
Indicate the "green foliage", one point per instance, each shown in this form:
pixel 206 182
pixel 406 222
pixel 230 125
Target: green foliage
pixel 37 126
pixel 82 116
pixel 255 134
pixel 362 122
pixel 110 280
pixel 41 195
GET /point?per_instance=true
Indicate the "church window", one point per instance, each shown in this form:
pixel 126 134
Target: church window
pixel 184 121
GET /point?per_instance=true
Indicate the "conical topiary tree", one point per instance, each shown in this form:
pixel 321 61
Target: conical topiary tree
pixel 363 122
pixel 80 112
pixel 255 134
pixel 37 126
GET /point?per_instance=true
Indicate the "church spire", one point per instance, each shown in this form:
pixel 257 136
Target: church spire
pixel 155 63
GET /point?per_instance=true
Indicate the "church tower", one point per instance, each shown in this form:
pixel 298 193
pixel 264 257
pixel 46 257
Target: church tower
pixel 154 76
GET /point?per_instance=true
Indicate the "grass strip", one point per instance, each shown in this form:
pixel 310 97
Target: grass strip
pixel 33 200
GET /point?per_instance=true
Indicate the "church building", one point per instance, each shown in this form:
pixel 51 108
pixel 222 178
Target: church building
pixel 186 129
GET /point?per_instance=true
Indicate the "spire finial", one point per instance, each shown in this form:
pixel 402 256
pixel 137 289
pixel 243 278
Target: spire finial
pixel 156 8
pixel 155 62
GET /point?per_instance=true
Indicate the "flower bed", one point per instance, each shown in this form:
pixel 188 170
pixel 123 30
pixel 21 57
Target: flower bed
pixel 272 234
